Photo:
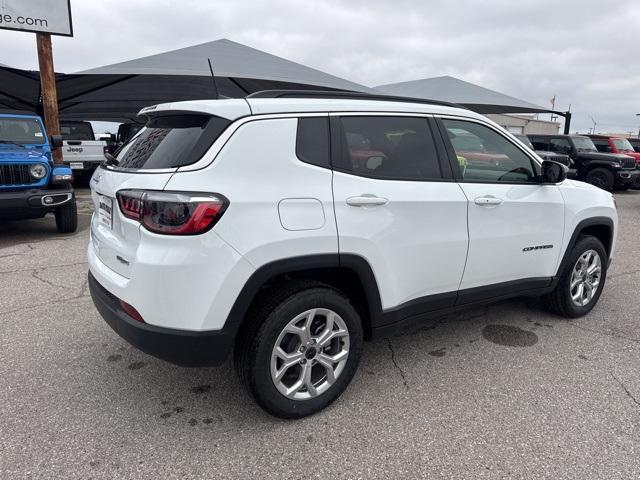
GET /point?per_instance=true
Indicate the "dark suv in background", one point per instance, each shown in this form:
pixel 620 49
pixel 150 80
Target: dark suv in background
pixel 608 171
pixel 545 154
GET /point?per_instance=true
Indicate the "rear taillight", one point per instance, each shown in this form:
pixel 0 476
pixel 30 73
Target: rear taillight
pixel 172 213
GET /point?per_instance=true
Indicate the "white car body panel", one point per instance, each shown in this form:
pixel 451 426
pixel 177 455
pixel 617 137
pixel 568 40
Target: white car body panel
pixel 416 244
pixel 529 216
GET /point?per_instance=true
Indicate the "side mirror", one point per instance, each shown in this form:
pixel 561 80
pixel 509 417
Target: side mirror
pixel 553 172
pixel 55 141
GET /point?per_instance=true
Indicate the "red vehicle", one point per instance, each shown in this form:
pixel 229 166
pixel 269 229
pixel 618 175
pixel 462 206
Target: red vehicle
pixel 607 144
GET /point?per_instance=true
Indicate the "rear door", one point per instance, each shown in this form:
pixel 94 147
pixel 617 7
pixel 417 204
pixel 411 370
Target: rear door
pixel 397 207
pixel 516 224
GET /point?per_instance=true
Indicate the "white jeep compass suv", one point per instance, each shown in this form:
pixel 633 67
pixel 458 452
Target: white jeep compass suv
pixel 291 226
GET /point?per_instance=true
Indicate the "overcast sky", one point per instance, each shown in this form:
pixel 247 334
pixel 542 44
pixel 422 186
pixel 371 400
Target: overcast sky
pixel 586 53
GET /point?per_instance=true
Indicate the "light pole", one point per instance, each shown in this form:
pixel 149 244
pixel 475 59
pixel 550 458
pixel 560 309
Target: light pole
pixel 638 115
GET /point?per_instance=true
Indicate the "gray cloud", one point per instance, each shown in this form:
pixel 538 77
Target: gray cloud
pixel 584 52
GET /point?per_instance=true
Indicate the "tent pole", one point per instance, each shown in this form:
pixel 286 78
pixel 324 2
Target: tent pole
pixel 567 122
pixel 48 86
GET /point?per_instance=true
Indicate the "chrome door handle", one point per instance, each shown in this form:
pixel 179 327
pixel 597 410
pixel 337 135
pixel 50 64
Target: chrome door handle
pixel 488 200
pixel 366 201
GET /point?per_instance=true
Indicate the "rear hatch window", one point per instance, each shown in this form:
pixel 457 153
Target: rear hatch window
pixel 171 141
pixel 76 131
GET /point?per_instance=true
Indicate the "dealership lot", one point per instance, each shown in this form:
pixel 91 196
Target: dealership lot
pixel 504 391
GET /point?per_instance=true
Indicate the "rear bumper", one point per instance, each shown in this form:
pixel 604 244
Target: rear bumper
pixel 28 203
pixel 181 347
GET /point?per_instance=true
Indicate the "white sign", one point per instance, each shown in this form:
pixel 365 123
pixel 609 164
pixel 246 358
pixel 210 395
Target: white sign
pixel 46 16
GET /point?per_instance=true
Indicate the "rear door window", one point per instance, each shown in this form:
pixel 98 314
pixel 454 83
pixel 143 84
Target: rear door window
pixel 171 141
pixel 390 148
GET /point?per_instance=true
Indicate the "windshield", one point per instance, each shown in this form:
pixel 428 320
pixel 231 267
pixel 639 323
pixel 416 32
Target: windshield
pixel 622 144
pixel 21 131
pixel 76 131
pixel 584 144
pixel 524 139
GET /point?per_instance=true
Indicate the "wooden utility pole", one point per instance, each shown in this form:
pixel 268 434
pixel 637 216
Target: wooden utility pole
pixel 48 89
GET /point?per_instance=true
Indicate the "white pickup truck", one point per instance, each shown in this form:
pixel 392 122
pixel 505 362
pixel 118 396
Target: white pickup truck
pixel 80 150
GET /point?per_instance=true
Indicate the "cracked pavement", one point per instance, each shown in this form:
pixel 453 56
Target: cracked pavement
pixel 506 391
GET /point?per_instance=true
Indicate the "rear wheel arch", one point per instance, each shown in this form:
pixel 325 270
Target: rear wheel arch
pixel 350 274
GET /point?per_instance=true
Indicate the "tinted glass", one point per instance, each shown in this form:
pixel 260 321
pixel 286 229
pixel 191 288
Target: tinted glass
pixel 524 139
pixel 602 145
pixel 486 156
pixel 21 130
pixel 171 141
pixel 389 148
pixel 584 144
pixel 560 145
pixel 540 143
pixel 76 131
pixel 312 141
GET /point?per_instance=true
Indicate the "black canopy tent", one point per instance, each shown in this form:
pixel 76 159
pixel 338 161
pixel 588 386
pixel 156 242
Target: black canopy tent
pixel 117 92
pixel 471 96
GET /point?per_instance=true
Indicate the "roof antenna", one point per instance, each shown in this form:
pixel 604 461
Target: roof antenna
pixel 213 77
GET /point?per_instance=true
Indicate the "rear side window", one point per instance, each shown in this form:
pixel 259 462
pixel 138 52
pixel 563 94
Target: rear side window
pixel 171 141
pixel 390 148
pixel 312 141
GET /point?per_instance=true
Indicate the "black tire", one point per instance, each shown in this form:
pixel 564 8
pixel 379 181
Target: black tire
pixel 623 188
pixel 559 301
pixel 267 319
pixel 601 177
pixel 67 217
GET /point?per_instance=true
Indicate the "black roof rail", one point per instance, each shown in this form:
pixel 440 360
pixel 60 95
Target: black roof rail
pixel 348 96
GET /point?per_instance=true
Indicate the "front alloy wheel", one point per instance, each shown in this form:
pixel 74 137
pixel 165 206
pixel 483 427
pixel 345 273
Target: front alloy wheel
pixel 310 354
pixel 585 278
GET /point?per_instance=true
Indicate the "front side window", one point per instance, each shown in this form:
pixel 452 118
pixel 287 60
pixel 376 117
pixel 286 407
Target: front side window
pixel 21 131
pixel 584 144
pixel 602 145
pixel 171 141
pixel 486 156
pixel 560 145
pixel 391 148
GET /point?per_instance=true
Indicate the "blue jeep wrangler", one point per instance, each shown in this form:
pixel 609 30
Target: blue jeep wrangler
pixel 30 184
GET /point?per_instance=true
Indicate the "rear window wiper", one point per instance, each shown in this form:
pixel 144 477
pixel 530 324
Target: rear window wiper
pixel 110 160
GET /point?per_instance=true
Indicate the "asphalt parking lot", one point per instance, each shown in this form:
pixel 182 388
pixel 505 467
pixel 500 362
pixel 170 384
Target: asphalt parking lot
pixel 507 391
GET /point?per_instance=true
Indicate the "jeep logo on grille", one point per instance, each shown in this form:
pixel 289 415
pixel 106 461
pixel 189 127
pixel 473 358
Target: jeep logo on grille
pixel 75 149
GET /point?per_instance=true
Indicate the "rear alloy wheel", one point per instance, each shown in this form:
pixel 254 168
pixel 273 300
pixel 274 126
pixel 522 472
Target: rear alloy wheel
pixel 601 178
pixel 310 354
pixel 300 350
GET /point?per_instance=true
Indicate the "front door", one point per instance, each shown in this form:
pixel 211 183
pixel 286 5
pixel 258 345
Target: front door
pixel 516 224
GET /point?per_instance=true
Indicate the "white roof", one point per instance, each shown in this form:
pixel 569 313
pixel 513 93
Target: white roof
pixel 240 107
